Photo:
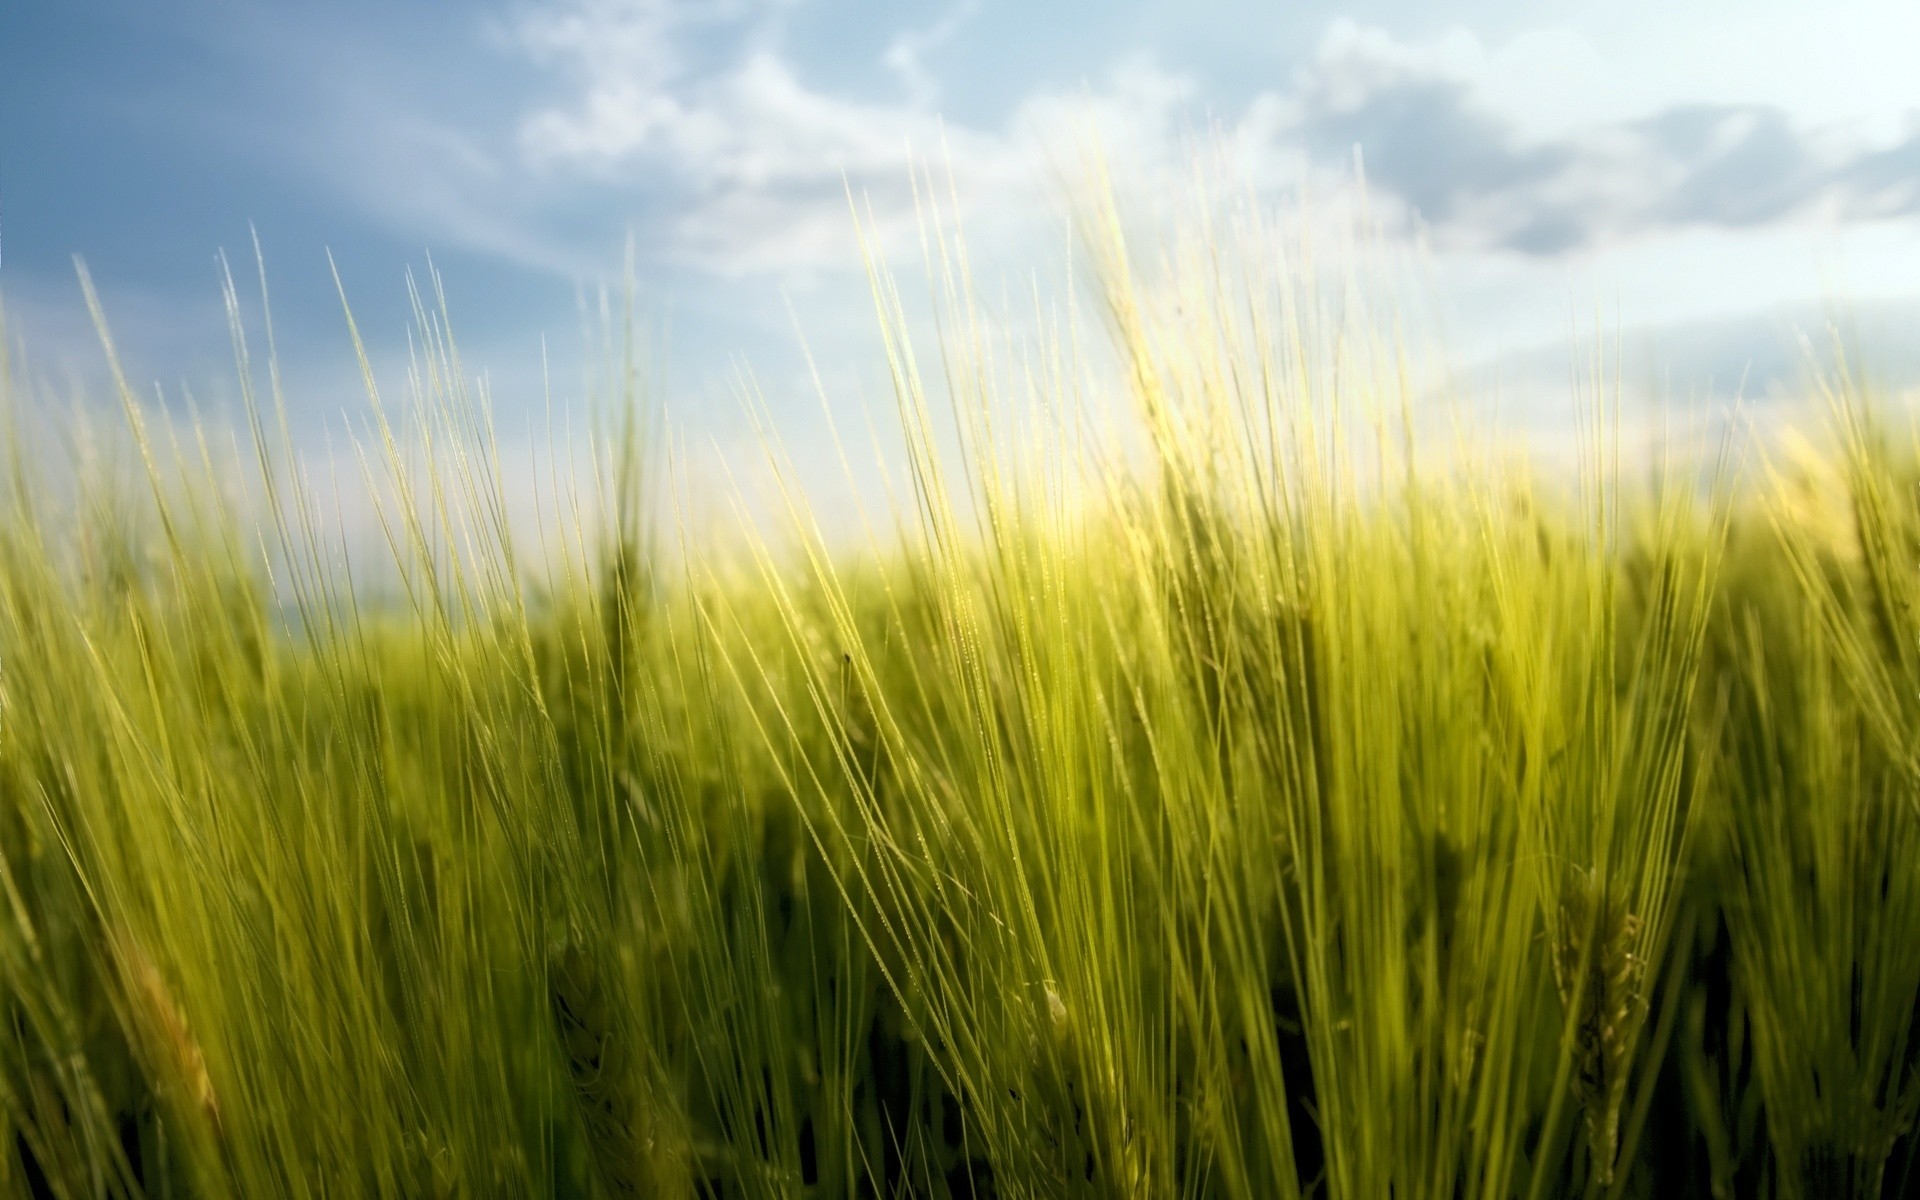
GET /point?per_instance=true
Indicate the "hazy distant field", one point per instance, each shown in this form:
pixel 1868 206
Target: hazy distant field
pixel 1234 795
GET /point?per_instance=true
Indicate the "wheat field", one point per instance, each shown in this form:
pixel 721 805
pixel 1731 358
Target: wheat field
pixel 1231 784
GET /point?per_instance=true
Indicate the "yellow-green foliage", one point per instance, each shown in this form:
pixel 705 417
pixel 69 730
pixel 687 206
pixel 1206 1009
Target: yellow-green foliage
pixel 1216 782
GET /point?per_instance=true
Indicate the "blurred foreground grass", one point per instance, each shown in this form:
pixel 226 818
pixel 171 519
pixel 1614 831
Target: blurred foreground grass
pixel 1250 804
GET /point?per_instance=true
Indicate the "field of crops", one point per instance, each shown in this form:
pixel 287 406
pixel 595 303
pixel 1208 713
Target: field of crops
pixel 1240 795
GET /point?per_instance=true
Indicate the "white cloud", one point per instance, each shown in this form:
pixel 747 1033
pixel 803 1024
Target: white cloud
pixel 1498 146
pixel 906 54
pixel 1483 144
pixel 761 158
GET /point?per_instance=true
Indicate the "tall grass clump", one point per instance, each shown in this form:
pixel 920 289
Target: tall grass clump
pixel 1223 770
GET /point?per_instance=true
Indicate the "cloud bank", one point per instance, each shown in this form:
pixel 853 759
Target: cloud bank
pixel 655 92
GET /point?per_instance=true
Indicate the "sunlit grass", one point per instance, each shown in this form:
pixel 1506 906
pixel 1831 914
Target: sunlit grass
pixel 1208 781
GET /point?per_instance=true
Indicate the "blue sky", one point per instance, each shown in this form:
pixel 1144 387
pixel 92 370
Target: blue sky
pixel 1708 175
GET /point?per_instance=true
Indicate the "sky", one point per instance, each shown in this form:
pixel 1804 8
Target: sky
pixel 1709 180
